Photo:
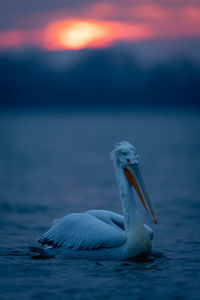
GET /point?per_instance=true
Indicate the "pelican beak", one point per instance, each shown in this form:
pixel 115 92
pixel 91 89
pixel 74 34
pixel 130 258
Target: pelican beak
pixel 134 176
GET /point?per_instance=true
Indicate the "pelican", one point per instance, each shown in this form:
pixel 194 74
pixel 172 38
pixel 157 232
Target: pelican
pixel 103 234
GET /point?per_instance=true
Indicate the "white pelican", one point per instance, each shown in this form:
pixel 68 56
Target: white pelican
pixel 102 234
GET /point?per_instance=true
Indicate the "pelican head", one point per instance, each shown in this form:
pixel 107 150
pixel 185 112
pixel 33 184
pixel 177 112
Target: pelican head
pixel 123 154
pixel 126 158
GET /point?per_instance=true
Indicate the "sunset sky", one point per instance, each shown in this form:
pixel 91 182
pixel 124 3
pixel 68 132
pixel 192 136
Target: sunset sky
pixel 59 25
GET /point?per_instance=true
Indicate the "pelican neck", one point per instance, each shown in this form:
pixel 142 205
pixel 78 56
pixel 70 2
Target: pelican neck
pixel 129 207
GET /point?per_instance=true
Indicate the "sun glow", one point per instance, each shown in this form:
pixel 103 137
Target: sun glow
pixel 75 34
pixel 78 34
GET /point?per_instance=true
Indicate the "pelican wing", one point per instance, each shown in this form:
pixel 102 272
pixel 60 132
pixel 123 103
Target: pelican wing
pixel 112 218
pixel 108 217
pixel 83 231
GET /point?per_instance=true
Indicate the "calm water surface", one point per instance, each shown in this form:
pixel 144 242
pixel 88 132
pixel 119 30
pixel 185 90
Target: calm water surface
pixel 52 164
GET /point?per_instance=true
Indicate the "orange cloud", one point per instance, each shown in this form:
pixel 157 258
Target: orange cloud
pixel 190 12
pixel 20 38
pixel 101 10
pixel 150 12
pixel 181 21
pixel 11 38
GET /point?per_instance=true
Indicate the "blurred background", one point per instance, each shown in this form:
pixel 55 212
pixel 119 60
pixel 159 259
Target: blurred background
pixel 88 53
pixel 76 77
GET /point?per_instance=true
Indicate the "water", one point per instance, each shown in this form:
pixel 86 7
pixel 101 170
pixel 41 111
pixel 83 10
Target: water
pixel 52 164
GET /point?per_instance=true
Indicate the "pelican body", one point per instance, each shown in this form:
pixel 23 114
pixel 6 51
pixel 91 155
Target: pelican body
pixel 102 234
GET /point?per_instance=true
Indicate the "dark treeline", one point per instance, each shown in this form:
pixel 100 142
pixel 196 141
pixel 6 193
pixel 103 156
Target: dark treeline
pixel 102 78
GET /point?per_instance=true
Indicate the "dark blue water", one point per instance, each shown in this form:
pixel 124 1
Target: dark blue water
pixel 52 164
